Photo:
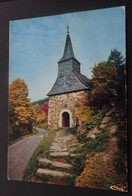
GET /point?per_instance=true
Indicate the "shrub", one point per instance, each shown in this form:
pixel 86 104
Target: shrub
pixel 71 131
pixel 120 157
pixel 120 167
pixel 43 125
pixel 78 164
pixel 99 144
pixel 13 132
pixel 97 173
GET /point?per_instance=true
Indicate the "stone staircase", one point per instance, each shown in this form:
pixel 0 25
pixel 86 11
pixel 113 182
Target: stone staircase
pixel 56 168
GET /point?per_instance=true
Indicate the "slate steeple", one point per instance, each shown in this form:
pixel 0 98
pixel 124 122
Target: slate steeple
pixel 68 49
pixel 69 77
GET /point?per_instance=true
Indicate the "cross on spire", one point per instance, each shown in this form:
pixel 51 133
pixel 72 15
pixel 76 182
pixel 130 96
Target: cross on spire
pixel 67 27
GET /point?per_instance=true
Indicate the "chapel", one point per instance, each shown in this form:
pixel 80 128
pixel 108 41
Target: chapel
pixel 69 88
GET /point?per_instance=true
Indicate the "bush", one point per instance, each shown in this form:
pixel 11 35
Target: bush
pixel 82 138
pixel 71 130
pixel 120 157
pixel 25 129
pixel 100 98
pixel 13 132
pixel 43 125
pixel 97 173
pixel 16 131
pixel 99 144
pixel 120 167
pixel 78 164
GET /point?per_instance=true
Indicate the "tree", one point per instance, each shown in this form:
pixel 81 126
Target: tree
pixel 44 108
pixel 41 117
pixel 109 81
pixel 117 60
pixel 103 80
pixel 21 111
pixel 41 113
pixel 102 72
pixel 83 113
pixel 37 108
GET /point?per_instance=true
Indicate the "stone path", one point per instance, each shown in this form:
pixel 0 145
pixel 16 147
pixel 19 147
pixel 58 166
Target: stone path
pixel 19 154
pixel 56 165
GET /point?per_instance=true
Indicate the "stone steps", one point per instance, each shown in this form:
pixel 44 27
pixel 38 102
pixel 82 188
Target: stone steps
pixel 54 173
pixel 57 149
pixel 61 165
pixel 55 167
pixel 43 162
pixel 59 154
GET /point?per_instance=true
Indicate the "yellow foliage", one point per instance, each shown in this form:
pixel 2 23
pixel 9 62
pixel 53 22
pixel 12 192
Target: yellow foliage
pixel 21 111
pixel 41 117
pixel 83 113
pixel 16 123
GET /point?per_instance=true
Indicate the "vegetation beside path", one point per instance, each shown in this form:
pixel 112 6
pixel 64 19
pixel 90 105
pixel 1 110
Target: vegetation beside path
pixel 96 159
pixel 98 149
pixel 43 147
pixel 11 142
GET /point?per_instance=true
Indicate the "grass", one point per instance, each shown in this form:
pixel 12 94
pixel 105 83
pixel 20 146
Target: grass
pixel 97 173
pixel 89 168
pixel 11 142
pixel 120 157
pixel 66 180
pixel 94 172
pixel 97 145
pixel 70 131
pixel 42 148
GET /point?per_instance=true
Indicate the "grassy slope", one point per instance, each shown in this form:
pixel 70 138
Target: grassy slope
pixel 43 147
pixel 105 155
pixel 101 160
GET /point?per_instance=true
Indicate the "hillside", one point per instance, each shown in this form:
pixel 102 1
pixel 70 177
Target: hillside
pixel 41 101
pixel 95 150
pixel 103 142
pixel 93 156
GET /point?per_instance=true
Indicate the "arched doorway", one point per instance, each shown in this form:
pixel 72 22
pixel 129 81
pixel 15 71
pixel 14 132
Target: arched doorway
pixel 65 119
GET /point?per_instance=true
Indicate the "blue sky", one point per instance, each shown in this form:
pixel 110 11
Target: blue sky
pixel 37 44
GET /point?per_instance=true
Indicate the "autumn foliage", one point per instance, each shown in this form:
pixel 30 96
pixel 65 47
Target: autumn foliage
pixel 41 113
pixel 109 82
pixel 21 111
pixel 97 173
pixel 103 167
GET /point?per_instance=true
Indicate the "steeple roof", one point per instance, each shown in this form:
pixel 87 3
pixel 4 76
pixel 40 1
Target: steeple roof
pixel 69 77
pixel 70 83
pixel 68 50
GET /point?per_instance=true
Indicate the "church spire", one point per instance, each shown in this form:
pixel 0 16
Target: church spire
pixel 69 77
pixel 68 49
pixel 67 27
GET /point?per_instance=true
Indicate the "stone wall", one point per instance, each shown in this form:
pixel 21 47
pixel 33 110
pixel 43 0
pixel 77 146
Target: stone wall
pixel 63 103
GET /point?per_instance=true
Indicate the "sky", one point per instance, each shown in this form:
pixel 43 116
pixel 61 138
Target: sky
pixel 37 44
